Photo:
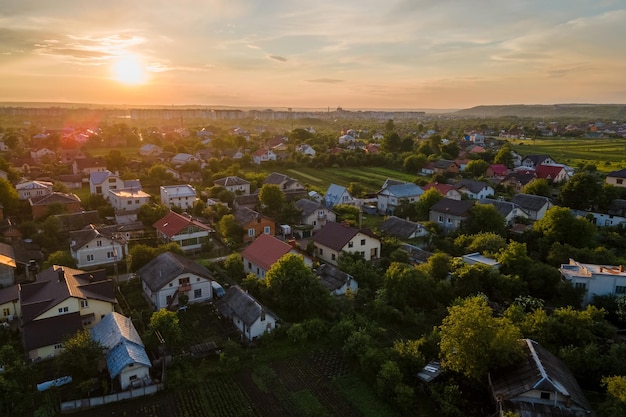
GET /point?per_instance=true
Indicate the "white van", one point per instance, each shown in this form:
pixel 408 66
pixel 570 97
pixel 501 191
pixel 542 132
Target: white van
pixel 218 290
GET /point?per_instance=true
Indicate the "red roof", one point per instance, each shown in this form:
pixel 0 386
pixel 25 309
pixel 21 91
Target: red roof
pixel 548 172
pixel 499 169
pixel 265 251
pixel 441 188
pixel 260 152
pixel 173 223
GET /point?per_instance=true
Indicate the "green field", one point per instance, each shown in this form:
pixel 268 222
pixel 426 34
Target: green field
pixel 607 154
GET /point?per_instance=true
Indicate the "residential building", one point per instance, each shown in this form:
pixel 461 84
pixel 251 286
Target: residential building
pixel 42 154
pixel 40 206
pixel 314 214
pixel 478 259
pixel 265 251
pixel 336 238
pixel 88 165
pixel 475 190
pixel 253 223
pixel 102 181
pixel 97 246
pixel 449 213
pixel 263 155
pixel 71 181
pixel 250 317
pixel 305 149
pixel 552 173
pixel 169 275
pixel 150 150
pixel 29 189
pixel 538 385
pixel 402 229
pixel 391 196
pixel 235 185
pixel 59 303
pixel 183 196
pixel 284 182
pixel 535 206
pixel 190 234
pixel 446 190
pixel 600 219
pixel 444 166
pixel 124 351
pixel 595 280
pixel 533 161
pixel 182 159
pixel 518 180
pixel 509 210
pixel 337 194
pixel 7 265
pixel 616 178
pixel 9 303
pixel 335 280
pixel 128 199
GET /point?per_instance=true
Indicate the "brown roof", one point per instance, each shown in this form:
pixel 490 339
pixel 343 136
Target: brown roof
pixel 54 198
pixel 173 223
pixel 51 331
pixel 266 250
pixel 337 235
pixel 453 207
pixel 244 215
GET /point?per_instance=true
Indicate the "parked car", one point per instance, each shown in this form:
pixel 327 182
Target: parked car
pixel 218 290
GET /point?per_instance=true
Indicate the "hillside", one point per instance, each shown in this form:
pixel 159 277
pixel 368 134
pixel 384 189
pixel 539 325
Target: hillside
pixel 553 111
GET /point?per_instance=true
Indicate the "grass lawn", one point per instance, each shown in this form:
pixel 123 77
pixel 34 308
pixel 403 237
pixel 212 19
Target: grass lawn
pixel 362 397
pixel 607 154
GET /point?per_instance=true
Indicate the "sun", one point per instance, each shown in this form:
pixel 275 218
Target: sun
pixel 128 69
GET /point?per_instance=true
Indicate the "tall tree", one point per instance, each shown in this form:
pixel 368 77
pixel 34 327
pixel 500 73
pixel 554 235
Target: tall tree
pixel 164 326
pixel 484 218
pixel 80 356
pixel 426 201
pixel 583 191
pixel 477 167
pixel 560 225
pixel 537 186
pixel 272 199
pixel 230 229
pixel 8 197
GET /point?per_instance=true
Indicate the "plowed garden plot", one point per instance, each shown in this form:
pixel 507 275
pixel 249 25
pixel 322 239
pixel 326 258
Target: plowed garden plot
pixel 265 403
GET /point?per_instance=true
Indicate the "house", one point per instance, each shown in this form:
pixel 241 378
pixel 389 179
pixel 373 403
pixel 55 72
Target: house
pixel 336 194
pixel 335 280
pixel 417 255
pixel 71 181
pixel 345 139
pixel 40 206
pixel 284 182
pixel 478 259
pixel 59 303
pixel 617 207
pixel 233 184
pixel 538 385
pixel 336 238
pixel 265 251
pixel 314 214
pixel 391 196
pixel 263 155
pixel 7 265
pixel 616 178
pixel 9 303
pixel 518 180
pixel 124 351
pixel 552 173
pixel 446 190
pixel 449 213
pixel 510 211
pixel 595 280
pixel 251 318
pixel 474 189
pixel 533 161
pixel 77 221
pixel 128 199
pixel 101 182
pixel 88 165
pixel 253 223
pixel 42 154
pixel 184 230
pixel 94 246
pixel 534 205
pixel 443 166
pixel 402 229
pixel 497 170
pixel 182 159
pixel 372 149
pixel 305 149
pixel 168 276
pixel 150 150
pixel 183 196
pixel 28 189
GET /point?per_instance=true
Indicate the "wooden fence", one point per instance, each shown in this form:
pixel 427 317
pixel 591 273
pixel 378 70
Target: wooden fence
pixel 86 403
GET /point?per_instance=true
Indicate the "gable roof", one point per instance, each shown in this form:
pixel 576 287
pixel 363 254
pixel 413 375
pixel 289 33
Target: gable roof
pixel 443 164
pixel 244 215
pixel 443 189
pixel 118 336
pixel 230 181
pixel 403 190
pixel 89 233
pixel 536 159
pixel 161 270
pixel 539 370
pixel 454 207
pixel 549 172
pixel 530 201
pixel 504 207
pixel 308 207
pixel 54 198
pixel 331 277
pixel 99 177
pixel 237 302
pixel 333 194
pixel 58 283
pixel 76 221
pixel 51 330
pixel 173 223
pixel 398 227
pixel 337 235
pixel 522 177
pixel 266 250
pixel 34 185
pixel 617 174
pixel 472 186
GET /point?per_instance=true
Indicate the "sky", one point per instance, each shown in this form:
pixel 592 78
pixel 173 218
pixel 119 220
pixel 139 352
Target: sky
pixel 357 54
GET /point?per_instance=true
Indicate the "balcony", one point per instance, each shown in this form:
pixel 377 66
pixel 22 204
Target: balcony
pixel 184 287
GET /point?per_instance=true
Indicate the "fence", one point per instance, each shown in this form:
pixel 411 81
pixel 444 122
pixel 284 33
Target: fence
pixel 86 403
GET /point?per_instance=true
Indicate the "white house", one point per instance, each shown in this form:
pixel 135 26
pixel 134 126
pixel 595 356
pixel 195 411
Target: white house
pixel 265 251
pixel 183 158
pixel 95 246
pixel 314 214
pixel 165 278
pixel 29 189
pixel 535 205
pixel 335 238
pixel 305 149
pixel 41 154
pixel 125 354
pixel 183 196
pixel 393 194
pixel 263 155
pixel 150 149
pixel 335 280
pixel 234 184
pixel 102 181
pixel 337 194
pixel 128 199
pixel 475 190
pixel 250 317
pixel 187 232
pixel 595 279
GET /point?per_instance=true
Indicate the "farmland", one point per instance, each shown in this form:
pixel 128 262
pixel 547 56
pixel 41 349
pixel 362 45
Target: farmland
pixel 607 154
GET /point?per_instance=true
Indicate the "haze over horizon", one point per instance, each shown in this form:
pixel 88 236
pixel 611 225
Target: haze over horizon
pixel 400 54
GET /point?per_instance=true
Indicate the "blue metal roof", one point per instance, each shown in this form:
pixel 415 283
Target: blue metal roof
pixel 405 190
pixel 124 354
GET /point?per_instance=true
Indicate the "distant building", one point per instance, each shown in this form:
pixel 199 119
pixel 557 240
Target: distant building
pixel 183 196
pixel 596 280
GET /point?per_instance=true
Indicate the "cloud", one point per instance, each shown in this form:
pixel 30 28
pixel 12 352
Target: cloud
pixel 326 81
pixel 277 58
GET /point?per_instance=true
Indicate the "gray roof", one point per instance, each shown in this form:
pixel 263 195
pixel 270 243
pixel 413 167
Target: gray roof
pixel 237 302
pixel 76 221
pixel 99 177
pixel 395 226
pixel 230 181
pixel 161 270
pixel 118 336
pixel 504 207
pixel 89 233
pixel 453 207
pixel 51 330
pixel 617 174
pixel 244 215
pixel 404 190
pixel 337 235
pixel 333 194
pixel 471 185
pixel 536 159
pixel 530 201
pixel 332 277
pixel 308 207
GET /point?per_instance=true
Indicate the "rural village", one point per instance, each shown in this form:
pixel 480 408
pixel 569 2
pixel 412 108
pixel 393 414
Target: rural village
pixel 189 262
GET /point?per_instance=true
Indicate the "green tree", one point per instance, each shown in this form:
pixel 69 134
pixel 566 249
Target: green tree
pixel 8 197
pixel 473 341
pixel 272 199
pixel 148 214
pixel 16 384
pixel 413 164
pixel 230 229
pixel 296 289
pixel 615 403
pixel 80 356
pixel 484 218
pixel 166 324
pixel 477 168
pixel 115 161
pixel 537 186
pixel 582 191
pixel 392 142
pixel 233 264
pixel 560 225
pixel 348 213
pixel 504 157
pixel 356 189
pixel 407 287
pixel 61 257
pixel 426 201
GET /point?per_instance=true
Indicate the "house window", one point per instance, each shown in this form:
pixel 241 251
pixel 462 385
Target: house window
pixel 251 232
pixel 321 251
pixel 362 242
pixel 110 255
pixel 63 310
pixel 440 219
pixel 112 180
pixel 183 281
pixel 168 299
pixel 350 244
pixel 98 190
pixel 449 220
pixel 129 202
pixel 171 284
pixel 580 285
pixel 620 289
pixel 84 303
pixel 197 293
pixel 266 230
pixel 619 181
pixel 545 395
pixel 262 315
pixel 90 258
pixel 249 265
pixel 6 312
pixel 363 254
pixel 99 243
pixel 333 256
pixel 132 377
pixel 59 346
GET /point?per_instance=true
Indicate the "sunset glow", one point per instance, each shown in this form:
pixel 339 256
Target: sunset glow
pixel 128 69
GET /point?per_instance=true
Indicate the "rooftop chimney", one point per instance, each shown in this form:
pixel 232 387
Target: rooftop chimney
pixel 61 274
